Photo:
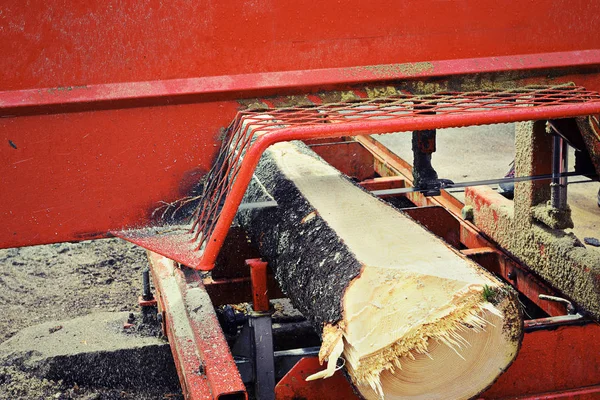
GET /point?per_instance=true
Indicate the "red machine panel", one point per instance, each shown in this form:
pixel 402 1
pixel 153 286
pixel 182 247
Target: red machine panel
pixel 58 43
pixel 109 108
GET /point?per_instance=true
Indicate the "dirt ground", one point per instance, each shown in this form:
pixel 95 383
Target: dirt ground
pixel 61 281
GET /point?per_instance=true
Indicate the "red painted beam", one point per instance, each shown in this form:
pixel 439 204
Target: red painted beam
pixel 204 363
pixel 118 95
pixel 382 183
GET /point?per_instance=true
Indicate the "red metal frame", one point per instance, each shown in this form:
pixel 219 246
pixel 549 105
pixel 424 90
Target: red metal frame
pixel 239 155
pixel 88 148
pixel 557 356
pixel 119 108
pixel 386 163
pixel 109 108
pixel 557 359
pixel 204 364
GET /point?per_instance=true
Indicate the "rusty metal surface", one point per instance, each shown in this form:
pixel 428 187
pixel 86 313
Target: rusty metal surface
pixel 204 364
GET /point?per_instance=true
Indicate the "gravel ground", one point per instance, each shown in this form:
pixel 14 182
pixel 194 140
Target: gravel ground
pixel 61 281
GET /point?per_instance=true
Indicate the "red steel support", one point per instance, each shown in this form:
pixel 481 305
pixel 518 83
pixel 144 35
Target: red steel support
pixel 161 92
pixel 204 363
pixel 260 288
pixel 383 183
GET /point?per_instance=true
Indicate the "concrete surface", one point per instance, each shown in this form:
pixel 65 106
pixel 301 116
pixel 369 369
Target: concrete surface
pixel 92 350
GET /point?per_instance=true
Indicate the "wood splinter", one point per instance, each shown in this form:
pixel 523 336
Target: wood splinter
pixel 412 317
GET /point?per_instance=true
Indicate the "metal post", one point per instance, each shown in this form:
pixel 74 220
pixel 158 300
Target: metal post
pixel 564 179
pixel 264 357
pixel 423 146
pixel 558 194
pixel 262 332
pixel 146 292
pixel 147 301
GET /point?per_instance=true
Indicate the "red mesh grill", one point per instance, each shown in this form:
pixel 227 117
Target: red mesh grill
pixel 250 124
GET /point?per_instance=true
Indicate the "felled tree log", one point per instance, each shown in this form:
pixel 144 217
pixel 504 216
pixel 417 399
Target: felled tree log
pixel 412 317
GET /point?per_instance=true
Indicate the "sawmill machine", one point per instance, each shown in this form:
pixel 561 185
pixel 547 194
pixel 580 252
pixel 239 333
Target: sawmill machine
pixel 155 122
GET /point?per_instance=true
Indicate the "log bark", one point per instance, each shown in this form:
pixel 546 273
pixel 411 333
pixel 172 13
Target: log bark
pixel 412 317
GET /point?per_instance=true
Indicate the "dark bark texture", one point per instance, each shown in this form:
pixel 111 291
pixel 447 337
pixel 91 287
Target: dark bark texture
pixel 311 263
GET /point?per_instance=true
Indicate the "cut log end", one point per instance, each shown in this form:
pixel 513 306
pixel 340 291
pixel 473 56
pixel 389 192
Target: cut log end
pixel 456 356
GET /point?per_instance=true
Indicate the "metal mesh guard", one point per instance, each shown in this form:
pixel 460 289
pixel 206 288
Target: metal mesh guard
pixel 250 124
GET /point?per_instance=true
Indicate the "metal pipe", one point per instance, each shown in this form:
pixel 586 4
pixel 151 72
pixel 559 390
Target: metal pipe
pixel 570 307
